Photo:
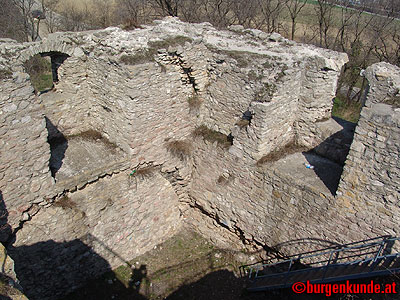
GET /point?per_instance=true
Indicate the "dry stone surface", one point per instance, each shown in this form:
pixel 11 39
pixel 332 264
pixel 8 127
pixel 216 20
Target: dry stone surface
pixel 143 95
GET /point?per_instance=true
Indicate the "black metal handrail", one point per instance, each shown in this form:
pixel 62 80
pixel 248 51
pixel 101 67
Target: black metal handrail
pixel 253 270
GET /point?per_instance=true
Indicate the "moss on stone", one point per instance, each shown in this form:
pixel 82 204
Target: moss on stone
pixel 5 74
pixel 212 136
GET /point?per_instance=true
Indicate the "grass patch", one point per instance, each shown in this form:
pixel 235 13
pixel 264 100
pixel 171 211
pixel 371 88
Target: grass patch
pixel 146 56
pixel 170 42
pixel 180 149
pixel 243 123
pixel 144 172
pixel 277 154
pixel 141 57
pixel 394 101
pixel 224 180
pixel 39 69
pixel 194 102
pixel 5 74
pixel 212 136
pixel 241 59
pixel 65 202
pixel 346 110
pixel 182 260
pixel 93 135
pixel 268 89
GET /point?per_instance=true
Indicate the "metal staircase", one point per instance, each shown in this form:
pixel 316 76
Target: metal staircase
pixel 367 258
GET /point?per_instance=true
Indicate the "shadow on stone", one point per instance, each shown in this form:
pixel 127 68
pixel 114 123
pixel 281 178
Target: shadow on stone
pixel 58 147
pixel 328 171
pixel 221 284
pixel 328 158
pixel 47 270
pixel 5 228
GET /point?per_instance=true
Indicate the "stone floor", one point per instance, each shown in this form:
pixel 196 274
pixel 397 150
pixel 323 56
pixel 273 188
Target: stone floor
pixel 324 176
pixel 77 155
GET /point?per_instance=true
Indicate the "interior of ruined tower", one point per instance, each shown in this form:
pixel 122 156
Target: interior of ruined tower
pixel 179 148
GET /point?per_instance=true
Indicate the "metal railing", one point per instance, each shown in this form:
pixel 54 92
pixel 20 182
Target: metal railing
pixel 362 252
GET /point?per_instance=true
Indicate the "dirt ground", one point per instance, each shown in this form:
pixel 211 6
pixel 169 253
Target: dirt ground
pixel 188 267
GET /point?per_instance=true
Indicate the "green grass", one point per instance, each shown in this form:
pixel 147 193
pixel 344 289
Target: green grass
pixel 5 74
pixel 172 41
pixel 184 258
pixel 42 82
pixel 212 136
pixel 141 57
pixel 346 110
pixel 39 69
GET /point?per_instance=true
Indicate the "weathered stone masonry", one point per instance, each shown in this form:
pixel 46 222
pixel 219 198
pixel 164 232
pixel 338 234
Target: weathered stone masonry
pixel 143 90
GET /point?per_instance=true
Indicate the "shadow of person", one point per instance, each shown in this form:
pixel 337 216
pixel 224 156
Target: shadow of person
pixel 137 278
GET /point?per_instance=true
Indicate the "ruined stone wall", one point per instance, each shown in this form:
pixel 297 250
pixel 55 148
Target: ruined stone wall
pixel 92 230
pixel 25 153
pixel 117 195
pixel 370 182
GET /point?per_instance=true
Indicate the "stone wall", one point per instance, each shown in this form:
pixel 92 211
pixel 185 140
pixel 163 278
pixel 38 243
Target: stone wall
pixel 370 180
pixel 142 173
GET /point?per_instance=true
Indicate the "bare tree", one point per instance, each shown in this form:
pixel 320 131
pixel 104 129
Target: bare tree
pixel 74 19
pixel 192 11
pixel 26 7
pixel 52 19
pixel 11 21
pixel 102 13
pixel 324 11
pixel 294 7
pixel 270 13
pixel 167 7
pixel 245 12
pixel 132 12
pixel 218 12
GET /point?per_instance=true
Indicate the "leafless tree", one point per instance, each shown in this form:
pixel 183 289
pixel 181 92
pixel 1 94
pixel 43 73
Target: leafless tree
pixel 74 19
pixel 324 11
pixel 131 12
pixel 11 21
pixel 218 12
pixel 245 12
pixel 167 7
pixel 192 11
pixel 49 8
pixel 26 7
pixel 294 7
pixel 102 13
pixel 270 14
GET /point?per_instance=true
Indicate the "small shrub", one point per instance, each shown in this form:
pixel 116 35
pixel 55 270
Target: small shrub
pixel 394 101
pixel 130 24
pixel 144 172
pixel 243 123
pixel 241 59
pixel 194 102
pixel 213 136
pixel 39 69
pixel 223 180
pixel 65 202
pixel 281 74
pixel 268 65
pixel 277 154
pixel 252 75
pixel 5 74
pixel 141 57
pixel 180 149
pixel 93 135
pixel 346 110
pixel 172 41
